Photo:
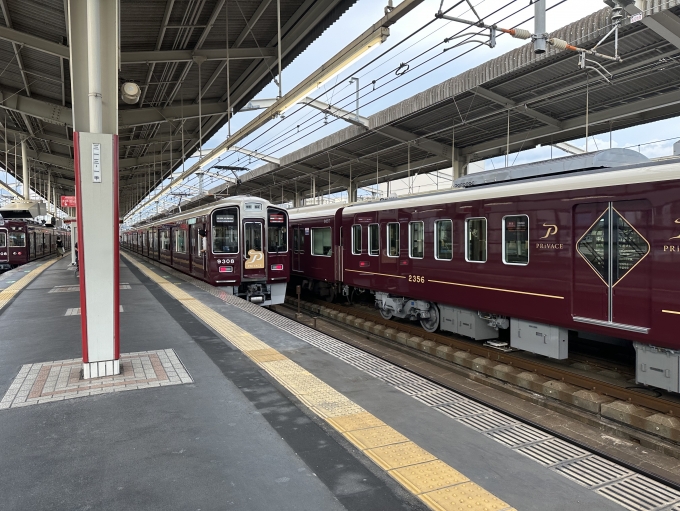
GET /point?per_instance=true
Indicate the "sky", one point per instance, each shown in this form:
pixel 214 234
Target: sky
pixel 428 66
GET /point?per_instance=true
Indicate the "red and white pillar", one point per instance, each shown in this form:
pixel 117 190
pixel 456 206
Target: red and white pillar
pixel 93 42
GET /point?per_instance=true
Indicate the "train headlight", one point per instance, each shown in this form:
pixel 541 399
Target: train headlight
pixel 226 269
pixel 277 267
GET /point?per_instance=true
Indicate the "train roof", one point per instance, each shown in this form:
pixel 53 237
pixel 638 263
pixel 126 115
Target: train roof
pixel 607 159
pixel 587 180
pixel 318 210
pixel 237 200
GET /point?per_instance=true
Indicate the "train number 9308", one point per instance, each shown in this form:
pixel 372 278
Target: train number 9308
pixel 418 279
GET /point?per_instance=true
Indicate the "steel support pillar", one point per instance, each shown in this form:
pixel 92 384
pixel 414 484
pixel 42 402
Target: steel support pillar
pixel 93 30
pixel 352 192
pixel 26 185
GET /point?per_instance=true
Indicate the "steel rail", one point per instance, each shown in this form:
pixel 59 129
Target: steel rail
pixel 658 404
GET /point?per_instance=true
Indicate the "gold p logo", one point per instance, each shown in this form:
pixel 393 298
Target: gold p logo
pixel 552 229
pixel 677 221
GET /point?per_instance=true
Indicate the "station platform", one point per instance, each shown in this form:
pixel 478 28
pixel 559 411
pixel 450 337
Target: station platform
pixel 223 404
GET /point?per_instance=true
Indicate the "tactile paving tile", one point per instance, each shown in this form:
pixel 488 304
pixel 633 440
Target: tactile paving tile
pixel 441 397
pixel 465 496
pixel 327 410
pixel 639 493
pixel 355 422
pixel 426 477
pixel 552 451
pixel 266 355
pixel 518 435
pixel 487 421
pixel 592 471
pixel 399 455
pixel 375 437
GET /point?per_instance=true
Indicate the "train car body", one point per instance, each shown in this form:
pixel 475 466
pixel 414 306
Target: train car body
pixel 595 252
pixel 239 244
pixel 316 259
pixel 22 241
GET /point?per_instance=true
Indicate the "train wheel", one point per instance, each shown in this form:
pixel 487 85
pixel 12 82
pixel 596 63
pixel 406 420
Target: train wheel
pixel 431 324
pixel 385 314
pixel 331 295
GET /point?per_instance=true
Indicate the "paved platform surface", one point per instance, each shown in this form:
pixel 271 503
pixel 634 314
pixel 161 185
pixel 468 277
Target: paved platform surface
pixel 251 429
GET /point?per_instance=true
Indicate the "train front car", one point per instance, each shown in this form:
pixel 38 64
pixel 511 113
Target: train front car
pixel 17 242
pixel 248 251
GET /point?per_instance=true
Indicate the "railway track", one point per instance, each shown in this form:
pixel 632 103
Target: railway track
pixel 617 391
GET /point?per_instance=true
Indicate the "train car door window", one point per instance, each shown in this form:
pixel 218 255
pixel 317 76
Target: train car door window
pixel 443 239
pixel 165 241
pixel 475 234
pixel 416 240
pixel 374 239
pixel 322 244
pixel 253 236
pixel 225 231
pixel 393 239
pixel 180 241
pixel 615 249
pixel 3 240
pixel 516 239
pixel 356 239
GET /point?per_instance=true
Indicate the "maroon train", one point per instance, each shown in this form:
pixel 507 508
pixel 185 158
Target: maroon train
pixel 22 241
pixel 594 251
pixel 239 244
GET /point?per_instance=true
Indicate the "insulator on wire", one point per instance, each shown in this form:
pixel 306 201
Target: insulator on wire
pixel 560 44
pixel 520 33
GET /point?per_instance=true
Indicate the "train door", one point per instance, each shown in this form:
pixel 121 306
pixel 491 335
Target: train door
pixel 253 253
pixel 4 252
pixel 611 284
pixel 298 246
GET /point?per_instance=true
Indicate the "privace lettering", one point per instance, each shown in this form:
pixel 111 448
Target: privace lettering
pixel 551 246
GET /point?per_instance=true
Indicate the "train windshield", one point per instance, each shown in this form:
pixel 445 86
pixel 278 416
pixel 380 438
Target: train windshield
pixel 17 239
pixel 3 239
pixel 277 233
pixel 225 231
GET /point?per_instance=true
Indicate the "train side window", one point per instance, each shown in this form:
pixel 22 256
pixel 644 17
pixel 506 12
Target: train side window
pixel 180 242
pixel 393 239
pixel 516 239
pixel 443 240
pixel 322 244
pixel 356 239
pixel 416 240
pixel 3 239
pixel 277 232
pixel 296 239
pixel 475 234
pixel 374 239
pixel 17 239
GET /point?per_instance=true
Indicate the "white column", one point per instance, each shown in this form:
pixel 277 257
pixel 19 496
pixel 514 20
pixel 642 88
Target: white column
pixel 26 186
pixel 93 29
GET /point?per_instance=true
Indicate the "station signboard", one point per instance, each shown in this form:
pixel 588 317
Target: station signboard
pixel 68 201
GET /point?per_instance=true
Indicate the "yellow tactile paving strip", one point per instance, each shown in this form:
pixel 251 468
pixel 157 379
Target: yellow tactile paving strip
pixel 8 293
pixel 437 484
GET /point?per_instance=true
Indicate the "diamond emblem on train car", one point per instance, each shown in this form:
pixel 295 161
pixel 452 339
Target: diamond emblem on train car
pixel 628 247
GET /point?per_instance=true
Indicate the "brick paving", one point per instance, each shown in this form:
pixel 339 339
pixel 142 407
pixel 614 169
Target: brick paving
pixel 47 382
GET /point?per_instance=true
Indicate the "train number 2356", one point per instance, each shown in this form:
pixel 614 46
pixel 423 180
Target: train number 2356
pixel 416 278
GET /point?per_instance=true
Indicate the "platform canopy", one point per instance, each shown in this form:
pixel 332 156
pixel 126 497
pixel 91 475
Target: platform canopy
pixel 162 43
pixel 544 97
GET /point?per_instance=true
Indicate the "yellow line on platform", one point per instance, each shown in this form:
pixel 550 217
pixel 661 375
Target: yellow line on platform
pixel 9 292
pixel 437 484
